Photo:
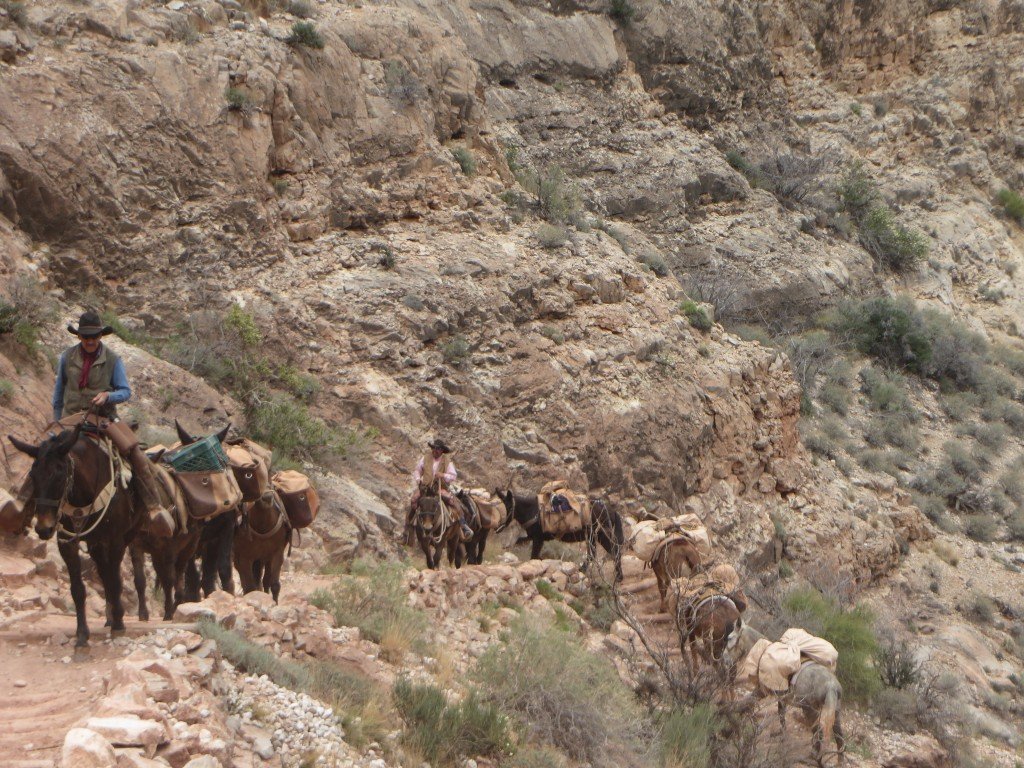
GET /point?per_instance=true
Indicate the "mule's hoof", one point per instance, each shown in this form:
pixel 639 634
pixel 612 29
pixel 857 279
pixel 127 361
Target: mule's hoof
pixel 82 642
pixel 143 617
pixel 117 631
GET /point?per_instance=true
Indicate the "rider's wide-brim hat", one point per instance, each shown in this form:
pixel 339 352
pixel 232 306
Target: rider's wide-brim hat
pixel 439 445
pixel 90 324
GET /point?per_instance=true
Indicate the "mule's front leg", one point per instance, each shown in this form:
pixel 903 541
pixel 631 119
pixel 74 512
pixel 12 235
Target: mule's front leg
pixel 73 560
pixel 224 567
pixel 782 715
pixel 538 545
pixel 109 566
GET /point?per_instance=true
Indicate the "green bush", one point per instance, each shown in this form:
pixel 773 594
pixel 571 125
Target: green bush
pixel 285 425
pixel 696 315
pixel 304 9
pixel 894 245
pixel 374 599
pixel 836 397
pixel 887 393
pixel 980 528
pixel 852 633
pixel 465 160
pixel 305 33
pixel 538 757
pixel 686 737
pixel 963 461
pixel 857 191
pixel 856 108
pixel 1015 526
pixel 655 262
pixel 981 608
pixel 552 236
pixel 739 161
pixel 15 11
pixel 455 350
pixel 1013 204
pixel 553 333
pixel 897 664
pixel 6 390
pixel 622 11
pixel 560 695
pixel 402 85
pixel 25 310
pixel 555 196
pixel 443 732
pixel 238 100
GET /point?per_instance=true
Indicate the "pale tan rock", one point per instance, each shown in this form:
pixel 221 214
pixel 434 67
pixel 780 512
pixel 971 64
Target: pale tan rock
pixel 128 731
pixel 85 748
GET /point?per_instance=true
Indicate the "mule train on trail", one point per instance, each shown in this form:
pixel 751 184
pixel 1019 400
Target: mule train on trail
pixel 706 602
pixel 228 511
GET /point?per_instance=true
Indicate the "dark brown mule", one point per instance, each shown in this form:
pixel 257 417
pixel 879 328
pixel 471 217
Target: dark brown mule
pixel 476 545
pixel 710 626
pixel 674 558
pixel 72 470
pixel 170 556
pixel 216 542
pixel 260 544
pixel 438 531
pixel 605 529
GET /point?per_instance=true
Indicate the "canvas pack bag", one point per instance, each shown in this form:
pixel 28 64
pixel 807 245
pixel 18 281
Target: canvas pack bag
pixel 12 520
pixel 812 648
pixel 645 538
pixel 770 666
pixel 689 527
pixel 300 499
pixel 208 493
pixel 490 507
pixel 562 510
pixel 251 472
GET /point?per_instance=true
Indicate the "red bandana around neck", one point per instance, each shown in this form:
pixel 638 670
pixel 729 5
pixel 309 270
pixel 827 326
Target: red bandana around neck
pixel 87 361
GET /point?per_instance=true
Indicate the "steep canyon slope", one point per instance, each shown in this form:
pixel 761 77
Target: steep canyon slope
pixel 481 220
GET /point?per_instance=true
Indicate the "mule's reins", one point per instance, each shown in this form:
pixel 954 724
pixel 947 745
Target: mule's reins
pixel 100 503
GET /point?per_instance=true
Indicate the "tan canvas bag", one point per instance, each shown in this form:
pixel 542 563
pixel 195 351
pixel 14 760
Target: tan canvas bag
pixel 645 538
pixel 300 498
pixel 559 523
pixel 251 473
pixel 812 648
pixel 208 493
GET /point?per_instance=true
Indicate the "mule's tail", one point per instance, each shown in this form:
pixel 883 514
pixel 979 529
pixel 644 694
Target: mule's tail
pixel 827 716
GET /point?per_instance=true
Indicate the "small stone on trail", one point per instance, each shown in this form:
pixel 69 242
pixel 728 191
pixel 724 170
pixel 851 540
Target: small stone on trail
pixel 20 683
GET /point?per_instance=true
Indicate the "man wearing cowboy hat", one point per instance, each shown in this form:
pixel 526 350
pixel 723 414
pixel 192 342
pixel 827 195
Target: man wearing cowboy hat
pixel 435 465
pixel 91 375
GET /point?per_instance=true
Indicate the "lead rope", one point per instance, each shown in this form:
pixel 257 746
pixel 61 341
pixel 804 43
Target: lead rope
pixel 108 491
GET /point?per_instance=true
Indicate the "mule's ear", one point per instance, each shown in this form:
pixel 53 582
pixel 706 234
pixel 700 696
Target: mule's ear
pixel 68 439
pixel 223 433
pixel 184 437
pixel 27 448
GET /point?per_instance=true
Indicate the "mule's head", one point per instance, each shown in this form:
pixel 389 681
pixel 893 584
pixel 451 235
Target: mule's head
pixel 187 438
pixel 51 473
pixel 427 511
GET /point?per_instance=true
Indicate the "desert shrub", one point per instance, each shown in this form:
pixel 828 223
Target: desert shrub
pixel 980 527
pixel 1002 409
pixel 402 85
pixel 465 160
pixel 442 732
pixel 696 315
pixel 303 9
pixel 286 425
pixel 6 390
pixel 183 30
pixel 793 178
pixel 880 106
pixel 15 10
pixel 1010 358
pixel 897 709
pixel 24 311
pixel 280 187
pixel 655 262
pixel 374 599
pixel 887 393
pixel 883 430
pixel 836 397
pixel 958 354
pixel 1013 204
pixel 455 349
pixel 238 100
pixel 857 191
pixel 981 608
pixel 850 630
pixel 856 108
pixel 552 236
pixel 686 737
pixel 560 694
pixel 884 328
pixel 554 194
pixel 963 461
pixel 897 664
pixel 301 386
pixel 893 244
pixel 946 552
pixel 1015 526
pixel 305 34
pixel 622 11
pixel 538 757
pixel 553 333
pixel 992 436
pixel 1012 482
pixel 414 302
pixel 887 461
pixel 718 289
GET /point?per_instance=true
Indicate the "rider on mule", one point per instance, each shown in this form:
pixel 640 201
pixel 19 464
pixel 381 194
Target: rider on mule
pixel 90 375
pixel 436 466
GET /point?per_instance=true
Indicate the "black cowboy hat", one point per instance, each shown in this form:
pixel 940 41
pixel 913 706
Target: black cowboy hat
pixel 440 446
pixel 89 324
